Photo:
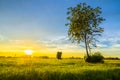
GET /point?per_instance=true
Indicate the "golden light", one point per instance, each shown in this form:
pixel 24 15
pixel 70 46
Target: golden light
pixel 28 52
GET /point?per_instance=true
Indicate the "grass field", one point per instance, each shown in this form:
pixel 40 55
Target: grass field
pixel 53 69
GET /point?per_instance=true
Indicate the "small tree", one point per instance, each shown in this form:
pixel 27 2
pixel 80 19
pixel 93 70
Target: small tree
pixel 84 25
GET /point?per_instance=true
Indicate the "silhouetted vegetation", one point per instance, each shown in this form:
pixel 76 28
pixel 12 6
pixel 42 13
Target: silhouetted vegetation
pixel 95 58
pixel 44 57
pixel 2 56
pixel 74 57
pixel 112 58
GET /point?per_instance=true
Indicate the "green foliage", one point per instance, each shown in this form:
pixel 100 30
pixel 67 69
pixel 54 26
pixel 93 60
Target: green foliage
pixel 95 58
pixel 83 19
pixel 84 24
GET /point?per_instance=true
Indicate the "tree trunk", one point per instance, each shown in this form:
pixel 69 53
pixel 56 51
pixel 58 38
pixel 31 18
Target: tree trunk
pixel 89 48
pixel 86 46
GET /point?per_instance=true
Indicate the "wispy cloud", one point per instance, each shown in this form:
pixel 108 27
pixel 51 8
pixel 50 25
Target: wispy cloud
pixel 107 41
pixel 116 46
pixel 110 40
pixel 61 42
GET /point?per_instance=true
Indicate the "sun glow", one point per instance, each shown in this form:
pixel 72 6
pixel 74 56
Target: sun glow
pixel 28 52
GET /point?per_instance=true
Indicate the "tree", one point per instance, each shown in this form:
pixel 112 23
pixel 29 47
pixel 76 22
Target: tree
pixel 84 25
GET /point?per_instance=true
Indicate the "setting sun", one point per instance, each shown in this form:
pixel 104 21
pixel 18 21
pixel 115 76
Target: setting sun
pixel 28 52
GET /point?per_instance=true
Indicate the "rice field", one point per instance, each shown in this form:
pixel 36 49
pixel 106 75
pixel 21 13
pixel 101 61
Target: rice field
pixel 53 69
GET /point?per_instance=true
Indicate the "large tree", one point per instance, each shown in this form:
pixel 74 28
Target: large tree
pixel 84 25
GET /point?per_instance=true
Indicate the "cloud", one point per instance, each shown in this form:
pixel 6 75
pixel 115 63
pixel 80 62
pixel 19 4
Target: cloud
pixel 17 41
pixel 3 38
pixel 116 46
pixel 61 42
pixel 109 40
pixel 102 45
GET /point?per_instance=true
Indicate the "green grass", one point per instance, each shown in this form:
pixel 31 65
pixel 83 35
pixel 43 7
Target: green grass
pixel 53 69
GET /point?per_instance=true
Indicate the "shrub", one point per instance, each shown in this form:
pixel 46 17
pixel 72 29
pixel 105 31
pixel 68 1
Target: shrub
pixel 95 58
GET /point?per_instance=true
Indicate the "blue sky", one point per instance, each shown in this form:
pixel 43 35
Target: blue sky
pixel 43 21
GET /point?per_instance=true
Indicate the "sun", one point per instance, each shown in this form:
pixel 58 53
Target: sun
pixel 28 52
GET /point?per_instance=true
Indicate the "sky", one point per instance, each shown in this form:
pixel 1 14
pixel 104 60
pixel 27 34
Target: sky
pixel 40 25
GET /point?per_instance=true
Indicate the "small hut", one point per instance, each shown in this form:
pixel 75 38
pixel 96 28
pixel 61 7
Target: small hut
pixel 59 55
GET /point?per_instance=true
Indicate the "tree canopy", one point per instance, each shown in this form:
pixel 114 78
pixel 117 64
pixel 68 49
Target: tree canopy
pixel 84 24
